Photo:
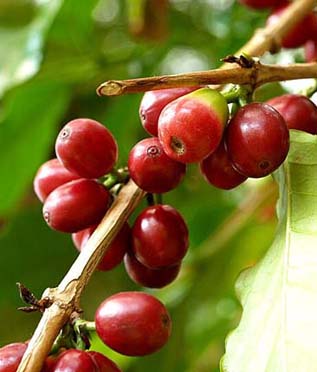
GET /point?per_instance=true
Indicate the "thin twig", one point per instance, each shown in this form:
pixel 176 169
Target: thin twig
pixel 256 75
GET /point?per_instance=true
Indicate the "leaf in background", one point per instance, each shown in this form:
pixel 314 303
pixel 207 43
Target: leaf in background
pixel 278 328
pixel 27 133
pixel 20 47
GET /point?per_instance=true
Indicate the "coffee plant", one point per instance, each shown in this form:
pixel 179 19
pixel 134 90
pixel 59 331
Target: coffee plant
pixel 161 201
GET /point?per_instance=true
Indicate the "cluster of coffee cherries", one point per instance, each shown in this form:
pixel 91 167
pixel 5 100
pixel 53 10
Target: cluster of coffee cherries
pixel 304 33
pixel 75 201
pixel 196 127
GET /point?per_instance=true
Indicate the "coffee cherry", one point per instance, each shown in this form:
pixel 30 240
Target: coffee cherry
pixel 311 51
pixel 50 363
pixel 151 278
pixel 153 103
pixel 103 363
pixel 87 148
pixel 260 4
pixel 115 253
pixel 11 356
pixel 151 169
pixel 257 140
pixel 298 111
pixel 49 176
pixel 159 237
pixel 190 128
pixel 300 33
pixel 219 171
pixel 133 323
pixel 76 205
pixel 73 360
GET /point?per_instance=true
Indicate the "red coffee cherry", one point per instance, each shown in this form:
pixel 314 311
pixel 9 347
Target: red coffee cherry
pixel 133 323
pixel 190 128
pixel 153 103
pixel 299 34
pixel 11 356
pixel 151 169
pixel 261 4
pixel 103 363
pixel 298 111
pixel 115 253
pixel 159 237
pixel 218 170
pixel 51 175
pixel 73 360
pixel 257 140
pixel 311 51
pixel 87 148
pixel 76 205
pixel 151 278
pixel 50 363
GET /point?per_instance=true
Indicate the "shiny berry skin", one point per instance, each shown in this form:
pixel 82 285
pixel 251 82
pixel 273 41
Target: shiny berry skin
pixel 133 323
pixel 103 363
pixel 218 170
pixel 299 34
pixel 87 148
pixel 298 111
pixel 191 127
pixel 151 169
pixel 159 237
pixel 115 253
pixel 260 4
pixel 11 356
pixel 257 140
pixel 153 103
pixel 49 176
pixel 76 205
pixel 151 278
pixel 73 360
pixel 311 51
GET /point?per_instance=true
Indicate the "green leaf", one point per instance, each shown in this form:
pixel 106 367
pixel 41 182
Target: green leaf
pixel 20 47
pixel 27 133
pixel 277 331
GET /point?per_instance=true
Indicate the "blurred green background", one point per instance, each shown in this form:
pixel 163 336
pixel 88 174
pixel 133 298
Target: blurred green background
pixel 54 54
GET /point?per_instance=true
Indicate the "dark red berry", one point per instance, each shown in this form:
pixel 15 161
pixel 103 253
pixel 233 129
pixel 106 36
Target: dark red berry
pixel 261 4
pixel 219 171
pixel 159 237
pixel 133 323
pixel 87 148
pixel 50 363
pixel 103 363
pixel 298 111
pixel 300 33
pixel 190 128
pixel 257 140
pixel 151 169
pixel 51 175
pixel 76 205
pixel 115 253
pixel 153 103
pixel 151 278
pixel 311 51
pixel 75 361
pixel 11 356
